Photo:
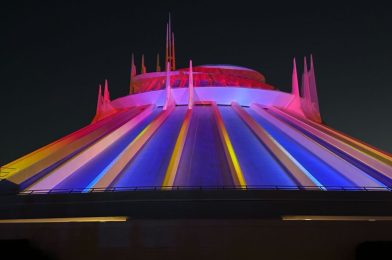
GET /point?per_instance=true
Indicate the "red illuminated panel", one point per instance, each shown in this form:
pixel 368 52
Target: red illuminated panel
pixel 203 76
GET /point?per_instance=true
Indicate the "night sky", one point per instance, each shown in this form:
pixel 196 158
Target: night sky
pixel 53 56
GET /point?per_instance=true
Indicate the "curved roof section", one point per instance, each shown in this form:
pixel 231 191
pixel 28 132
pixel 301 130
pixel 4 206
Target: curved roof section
pixel 204 76
pixel 226 66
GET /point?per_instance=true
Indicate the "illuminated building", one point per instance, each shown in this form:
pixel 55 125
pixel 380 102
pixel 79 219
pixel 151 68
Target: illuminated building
pixel 208 128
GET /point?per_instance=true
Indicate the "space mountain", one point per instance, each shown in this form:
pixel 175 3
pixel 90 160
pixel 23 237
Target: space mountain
pixel 206 126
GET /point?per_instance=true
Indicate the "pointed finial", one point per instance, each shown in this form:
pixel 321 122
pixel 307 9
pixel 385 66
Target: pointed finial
pixel 106 95
pixel 143 68
pixel 99 101
pixel 158 69
pixel 133 66
pixel 133 73
pixel 305 82
pixel 173 54
pixel 170 30
pixel 170 43
pixel 167 44
pixel 305 78
pixel 305 65
pixel 311 62
pixel 313 92
pixel 294 80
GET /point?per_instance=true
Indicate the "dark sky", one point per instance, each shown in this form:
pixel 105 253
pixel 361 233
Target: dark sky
pixel 53 55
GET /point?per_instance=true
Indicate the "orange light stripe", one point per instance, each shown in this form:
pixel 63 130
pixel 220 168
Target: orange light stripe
pixel 37 155
pixel 33 164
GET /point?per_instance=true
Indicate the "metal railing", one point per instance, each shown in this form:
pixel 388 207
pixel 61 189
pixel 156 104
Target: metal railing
pixel 206 188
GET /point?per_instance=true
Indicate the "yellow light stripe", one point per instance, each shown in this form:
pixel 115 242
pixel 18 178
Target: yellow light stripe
pixel 231 156
pixel 57 175
pixel 172 168
pixel 303 177
pixel 44 151
pixel 63 220
pixel 28 165
pixel 132 149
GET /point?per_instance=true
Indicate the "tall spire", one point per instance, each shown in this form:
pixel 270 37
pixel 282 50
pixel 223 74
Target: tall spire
pixel 309 94
pixel 294 104
pixel 305 81
pixel 312 81
pixel 167 44
pixel 313 90
pixel 170 42
pixel 311 62
pixel 173 54
pixel 104 106
pixel 143 68
pixel 133 73
pixel 99 101
pixel 294 80
pixel 305 104
pixel 190 86
pixel 158 69
pixel 170 50
pixel 106 95
pixel 133 66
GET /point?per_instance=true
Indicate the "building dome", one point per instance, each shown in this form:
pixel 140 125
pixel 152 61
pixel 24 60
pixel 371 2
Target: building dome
pixel 204 126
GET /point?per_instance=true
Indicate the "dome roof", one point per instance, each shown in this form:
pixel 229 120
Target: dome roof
pixel 204 75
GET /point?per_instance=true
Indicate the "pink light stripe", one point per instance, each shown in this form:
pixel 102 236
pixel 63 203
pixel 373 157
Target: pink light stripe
pixel 30 168
pixel 355 175
pixel 294 168
pixel 68 168
pixel 342 146
pixel 33 165
pixel 110 173
pixel 34 156
pixel 374 151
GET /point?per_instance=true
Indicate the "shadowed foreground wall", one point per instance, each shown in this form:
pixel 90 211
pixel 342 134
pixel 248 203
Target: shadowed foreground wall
pixel 199 239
